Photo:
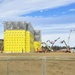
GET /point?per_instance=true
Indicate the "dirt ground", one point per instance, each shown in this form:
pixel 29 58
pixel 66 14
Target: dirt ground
pixel 37 66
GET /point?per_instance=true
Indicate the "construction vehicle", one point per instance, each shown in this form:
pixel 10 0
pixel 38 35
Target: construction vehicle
pixel 67 44
pixel 69 36
pixel 49 48
pixel 39 50
pixel 53 42
pixel 67 47
pixel 43 50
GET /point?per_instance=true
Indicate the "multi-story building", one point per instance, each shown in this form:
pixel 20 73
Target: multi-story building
pixel 18 37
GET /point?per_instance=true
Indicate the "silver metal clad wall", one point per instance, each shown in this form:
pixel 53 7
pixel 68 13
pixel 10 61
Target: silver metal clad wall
pixel 21 25
pixel 37 38
pixel 14 25
pixel 7 25
pixel 18 25
pixel 37 35
pixel 30 28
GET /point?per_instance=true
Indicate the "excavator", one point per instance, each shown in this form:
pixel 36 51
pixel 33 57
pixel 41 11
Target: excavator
pixel 67 47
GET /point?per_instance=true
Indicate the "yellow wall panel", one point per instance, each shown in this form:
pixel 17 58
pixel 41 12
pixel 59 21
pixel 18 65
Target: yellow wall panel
pixel 29 42
pixel 14 40
pixel 18 41
pixel 37 44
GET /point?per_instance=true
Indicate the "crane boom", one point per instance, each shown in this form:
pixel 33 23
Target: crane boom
pixel 53 41
pixel 69 36
pixel 65 43
pixel 47 46
pixel 67 47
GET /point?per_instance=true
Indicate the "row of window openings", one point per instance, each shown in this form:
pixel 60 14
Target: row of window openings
pixel 15 48
pixel 19 43
pixel 18 39
pixel 15 40
pixel 12 44
pixel 27 45
pixel 18 35
pixel 16 32
pixel 14 35
pixel 15 45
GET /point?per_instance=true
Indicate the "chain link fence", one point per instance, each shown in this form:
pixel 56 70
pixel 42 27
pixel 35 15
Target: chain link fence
pixel 15 65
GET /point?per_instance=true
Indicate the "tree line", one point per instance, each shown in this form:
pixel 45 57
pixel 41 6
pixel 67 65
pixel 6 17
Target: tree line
pixel 58 47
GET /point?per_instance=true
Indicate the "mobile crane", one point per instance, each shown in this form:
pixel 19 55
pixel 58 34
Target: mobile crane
pixel 69 36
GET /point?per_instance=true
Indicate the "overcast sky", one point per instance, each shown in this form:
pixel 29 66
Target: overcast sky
pixel 55 18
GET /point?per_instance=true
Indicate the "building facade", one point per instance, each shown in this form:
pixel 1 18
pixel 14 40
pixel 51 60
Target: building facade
pixel 19 37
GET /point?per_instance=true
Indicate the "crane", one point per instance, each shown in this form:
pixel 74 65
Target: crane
pixel 69 36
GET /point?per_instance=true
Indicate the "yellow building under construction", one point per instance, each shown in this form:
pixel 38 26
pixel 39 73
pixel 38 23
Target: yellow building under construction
pixel 19 37
pixel 14 41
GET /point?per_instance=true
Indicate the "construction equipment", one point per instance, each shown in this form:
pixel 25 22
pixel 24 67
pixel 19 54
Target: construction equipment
pixel 53 42
pixel 49 48
pixel 43 50
pixel 67 47
pixel 69 36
